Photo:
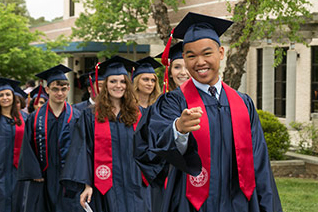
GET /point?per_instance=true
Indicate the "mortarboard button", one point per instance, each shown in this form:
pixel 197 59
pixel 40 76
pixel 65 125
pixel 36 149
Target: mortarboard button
pixel 116 66
pixel 195 26
pixel 54 73
pixel 146 65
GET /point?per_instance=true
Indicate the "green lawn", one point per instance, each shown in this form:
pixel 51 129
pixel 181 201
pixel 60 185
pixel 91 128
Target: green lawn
pixel 298 195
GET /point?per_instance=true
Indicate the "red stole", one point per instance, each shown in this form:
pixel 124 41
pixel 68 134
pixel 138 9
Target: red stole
pixel 19 131
pixel 198 187
pixel 103 165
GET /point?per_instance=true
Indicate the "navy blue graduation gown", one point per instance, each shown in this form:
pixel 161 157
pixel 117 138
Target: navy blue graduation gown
pixel 128 194
pixel 48 195
pixel 155 135
pixel 8 172
pixel 82 105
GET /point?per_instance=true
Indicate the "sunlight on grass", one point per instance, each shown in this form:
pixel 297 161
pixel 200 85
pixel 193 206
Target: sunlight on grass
pixel 298 195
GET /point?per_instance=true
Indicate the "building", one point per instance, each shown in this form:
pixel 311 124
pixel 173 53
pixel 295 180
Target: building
pixel 290 91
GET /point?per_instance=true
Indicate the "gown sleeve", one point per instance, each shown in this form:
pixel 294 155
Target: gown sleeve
pixel 78 166
pixel 266 189
pixel 155 141
pixel 29 166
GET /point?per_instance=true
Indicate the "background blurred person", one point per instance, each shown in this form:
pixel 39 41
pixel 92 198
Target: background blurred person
pixel 145 81
pixel 11 135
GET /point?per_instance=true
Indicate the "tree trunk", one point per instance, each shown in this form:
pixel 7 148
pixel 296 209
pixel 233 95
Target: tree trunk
pixel 236 56
pixel 161 18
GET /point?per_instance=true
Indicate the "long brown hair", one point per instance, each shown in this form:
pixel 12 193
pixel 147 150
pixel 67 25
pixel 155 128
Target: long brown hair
pixel 14 111
pixel 172 84
pixel 154 94
pixel 128 108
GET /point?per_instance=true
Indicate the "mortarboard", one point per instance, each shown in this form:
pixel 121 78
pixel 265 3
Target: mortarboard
pixel 116 66
pixel 146 65
pixel 8 84
pixel 195 26
pixel 35 92
pixel 55 73
pixel 19 92
pixel 175 52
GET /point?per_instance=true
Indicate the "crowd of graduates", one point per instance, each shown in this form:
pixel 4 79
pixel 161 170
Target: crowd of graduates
pixel 197 145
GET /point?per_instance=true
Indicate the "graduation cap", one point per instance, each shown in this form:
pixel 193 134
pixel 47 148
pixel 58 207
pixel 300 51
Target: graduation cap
pixel 35 92
pixel 8 84
pixel 19 92
pixel 55 73
pixel 116 66
pixel 146 65
pixel 195 26
pixel 175 52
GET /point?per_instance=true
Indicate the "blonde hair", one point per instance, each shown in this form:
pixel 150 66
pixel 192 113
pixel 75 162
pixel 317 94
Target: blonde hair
pixel 154 94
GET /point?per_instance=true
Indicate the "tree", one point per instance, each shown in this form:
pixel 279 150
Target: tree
pixel 110 21
pixel 256 20
pixel 18 59
pixel 20 8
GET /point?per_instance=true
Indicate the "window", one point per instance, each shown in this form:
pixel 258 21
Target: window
pixel 314 79
pixel 280 87
pixel 72 8
pixel 259 89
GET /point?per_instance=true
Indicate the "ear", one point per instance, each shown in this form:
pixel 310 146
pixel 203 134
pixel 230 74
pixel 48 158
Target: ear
pixel 47 89
pixel 89 89
pixel 221 50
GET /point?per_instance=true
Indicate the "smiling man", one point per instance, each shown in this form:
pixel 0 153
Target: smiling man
pixel 45 145
pixel 208 132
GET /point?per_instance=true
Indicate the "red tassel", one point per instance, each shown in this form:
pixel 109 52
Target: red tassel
pixel 91 85
pixel 165 54
pixel 96 77
pixel 39 94
pixel 166 81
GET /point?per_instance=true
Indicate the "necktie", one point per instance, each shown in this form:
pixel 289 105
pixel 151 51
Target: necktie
pixel 212 90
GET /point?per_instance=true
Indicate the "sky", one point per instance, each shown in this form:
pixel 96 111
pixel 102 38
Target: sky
pixel 49 9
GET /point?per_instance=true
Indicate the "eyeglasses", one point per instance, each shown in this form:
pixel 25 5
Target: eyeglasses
pixel 56 90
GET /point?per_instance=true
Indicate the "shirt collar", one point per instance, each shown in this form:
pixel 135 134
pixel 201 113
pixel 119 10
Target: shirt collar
pixel 205 87
pixel 91 101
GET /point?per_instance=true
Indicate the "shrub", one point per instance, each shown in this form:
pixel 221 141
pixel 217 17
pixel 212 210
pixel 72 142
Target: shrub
pixel 276 135
pixel 308 138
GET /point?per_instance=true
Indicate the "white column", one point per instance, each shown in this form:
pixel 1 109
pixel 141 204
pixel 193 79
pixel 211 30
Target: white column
pixel 268 79
pixel 70 76
pixel 291 87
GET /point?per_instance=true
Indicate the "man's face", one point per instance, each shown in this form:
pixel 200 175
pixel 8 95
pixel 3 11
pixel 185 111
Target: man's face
pixel 100 86
pixel 202 59
pixel 57 93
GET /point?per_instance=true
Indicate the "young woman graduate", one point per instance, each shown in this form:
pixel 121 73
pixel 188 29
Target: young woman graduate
pixel 177 71
pixel 11 135
pixel 145 81
pixel 101 159
pixel 209 133
pixel 37 101
pixel 45 146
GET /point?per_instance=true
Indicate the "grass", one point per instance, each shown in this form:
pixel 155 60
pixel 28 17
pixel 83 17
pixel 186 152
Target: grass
pixel 298 195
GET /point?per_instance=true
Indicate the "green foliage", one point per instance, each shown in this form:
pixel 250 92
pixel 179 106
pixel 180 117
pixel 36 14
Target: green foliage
pixel 18 59
pixel 278 20
pixel 298 195
pixel 308 138
pixel 276 135
pixel 111 20
pixel 19 9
